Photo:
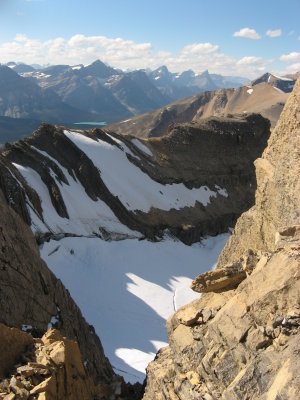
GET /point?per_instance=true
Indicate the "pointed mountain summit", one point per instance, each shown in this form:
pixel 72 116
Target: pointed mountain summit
pixel 281 83
pixel 98 69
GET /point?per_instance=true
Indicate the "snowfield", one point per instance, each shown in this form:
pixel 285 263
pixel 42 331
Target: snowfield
pixel 128 289
pixel 135 189
pixel 82 220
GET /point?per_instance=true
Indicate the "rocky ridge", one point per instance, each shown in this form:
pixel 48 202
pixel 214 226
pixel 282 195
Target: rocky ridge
pixel 266 95
pixel 240 340
pixel 213 156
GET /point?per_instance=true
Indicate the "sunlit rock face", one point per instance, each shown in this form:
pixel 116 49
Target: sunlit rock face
pixel 112 214
pixel 241 339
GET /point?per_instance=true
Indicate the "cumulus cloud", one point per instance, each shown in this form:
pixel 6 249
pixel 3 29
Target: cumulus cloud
pixel 292 57
pixel 293 68
pixel 127 54
pixel 252 65
pixel 251 60
pixel 200 48
pixel 275 33
pixel 247 33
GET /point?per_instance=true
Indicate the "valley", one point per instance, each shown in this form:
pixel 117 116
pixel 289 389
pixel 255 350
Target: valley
pixel 149 200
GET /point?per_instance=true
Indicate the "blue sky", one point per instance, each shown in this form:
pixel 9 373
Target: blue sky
pixel 228 37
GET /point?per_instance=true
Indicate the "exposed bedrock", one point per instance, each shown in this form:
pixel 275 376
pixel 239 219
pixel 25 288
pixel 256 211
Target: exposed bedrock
pixel 241 339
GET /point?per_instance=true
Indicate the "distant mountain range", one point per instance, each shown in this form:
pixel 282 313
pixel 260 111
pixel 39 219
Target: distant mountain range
pixel 96 92
pixel 64 94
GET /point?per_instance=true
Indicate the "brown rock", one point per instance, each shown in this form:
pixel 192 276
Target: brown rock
pixel 13 344
pixel 220 280
pixel 188 316
pixel 238 354
pixel 30 294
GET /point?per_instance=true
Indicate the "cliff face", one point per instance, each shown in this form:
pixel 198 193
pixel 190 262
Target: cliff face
pixel 32 300
pixel 241 339
pixel 278 187
pixel 195 181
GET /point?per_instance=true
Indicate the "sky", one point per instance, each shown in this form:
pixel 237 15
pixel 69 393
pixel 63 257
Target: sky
pixel 230 37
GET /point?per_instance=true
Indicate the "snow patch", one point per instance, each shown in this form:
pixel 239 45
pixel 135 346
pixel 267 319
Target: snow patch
pixel 26 328
pixel 54 320
pixel 278 90
pixel 142 147
pixel 82 220
pixel 221 191
pixel 282 78
pixel 134 188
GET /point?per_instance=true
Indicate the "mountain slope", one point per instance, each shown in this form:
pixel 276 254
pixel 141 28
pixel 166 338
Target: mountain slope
pixel 13 129
pixel 155 186
pixel 107 211
pixel 21 98
pixel 241 339
pixel 262 96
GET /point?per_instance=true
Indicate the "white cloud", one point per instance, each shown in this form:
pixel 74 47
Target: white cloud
pixel 200 48
pixel 275 33
pixel 250 60
pixel 247 33
pixel 292 57
pixel 293 68
pixel 126 54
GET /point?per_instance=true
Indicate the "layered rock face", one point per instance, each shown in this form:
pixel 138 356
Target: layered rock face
pixel 241 339
pixel 195 181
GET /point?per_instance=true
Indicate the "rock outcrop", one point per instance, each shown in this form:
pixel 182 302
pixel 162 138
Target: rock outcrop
pixel 32 300
pixel 52 368
pixel 216 155
pixel 241 339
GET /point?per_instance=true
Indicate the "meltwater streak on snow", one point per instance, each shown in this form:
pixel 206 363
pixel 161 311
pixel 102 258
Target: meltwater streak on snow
pixel 128 289
pixel 135 189
pixel 83 220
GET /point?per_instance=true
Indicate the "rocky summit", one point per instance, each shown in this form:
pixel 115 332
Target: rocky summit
pixel 241 340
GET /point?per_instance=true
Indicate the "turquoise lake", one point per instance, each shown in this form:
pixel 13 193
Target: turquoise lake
pixel 91 123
